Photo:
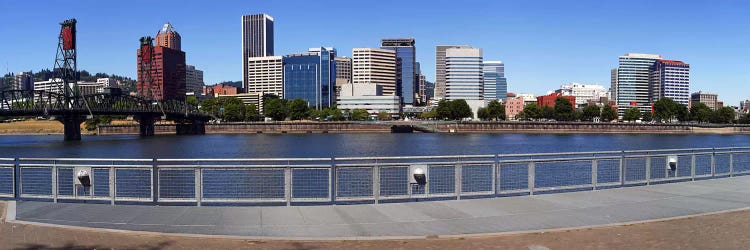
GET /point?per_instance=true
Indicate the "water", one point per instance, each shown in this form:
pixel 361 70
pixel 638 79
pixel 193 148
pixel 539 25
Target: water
pixel 343 145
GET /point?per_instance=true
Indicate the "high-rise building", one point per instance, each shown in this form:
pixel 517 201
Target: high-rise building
pixel 440 68
pixel 407 79
pixel 710 99
pixel 193 79
pixel 265 75
pixel 376 66
pixel 257 39
pixel 633 81
pixel 423 97
pixel 311 77
pixel 24 81
pixel 583 93
pixel 745 106
pixel 168 37
pixel 670 79
pixel 464 74
pixel 167 72
pixel 343 73
pixel 613 85
pixel 495 83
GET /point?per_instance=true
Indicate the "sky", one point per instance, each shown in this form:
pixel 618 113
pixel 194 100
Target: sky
pixel 544 43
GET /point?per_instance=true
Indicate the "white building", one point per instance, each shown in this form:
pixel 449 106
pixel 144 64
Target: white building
pixel 193 79
pixel 464 77
pixel 368 96
pixel 527 98
pixel 583 92
pixel 376 66
pixel 265 75
pixel 633 78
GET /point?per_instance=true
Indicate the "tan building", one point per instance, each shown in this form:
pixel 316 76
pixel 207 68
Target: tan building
pixel 376 66
pixel 711 100
pixel 440 68
pixel 343 73
pixel 168 37
pixel 513 107
pixel 265 75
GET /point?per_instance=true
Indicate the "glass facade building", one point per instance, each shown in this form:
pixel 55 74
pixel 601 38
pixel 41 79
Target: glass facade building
pixel 407 78
pixel 495 83
pixel 311 77
pixel 633 81
pixel 464 76
pixel 670 79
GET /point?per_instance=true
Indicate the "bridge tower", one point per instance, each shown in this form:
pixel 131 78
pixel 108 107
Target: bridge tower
pixel 66 68
pixel 146 87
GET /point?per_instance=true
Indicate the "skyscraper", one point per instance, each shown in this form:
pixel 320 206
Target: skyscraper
pixel 343 73
pixel 193 79
pixel 464 78
pixel 633 81
pixel 311 77
pixel 495 84
pixel 613 85
pixel 257 39
pixel 440 68
pixel 265 75
pixel 167 74
pixel 24 81
pixel 406 65
pixel 168 37
pixel 670 79
pixel 376 66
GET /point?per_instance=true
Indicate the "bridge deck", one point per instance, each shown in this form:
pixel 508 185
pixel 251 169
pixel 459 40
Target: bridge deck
pixel 416 219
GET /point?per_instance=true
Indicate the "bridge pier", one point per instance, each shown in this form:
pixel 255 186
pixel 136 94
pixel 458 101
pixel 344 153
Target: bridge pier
pixel 193 127
pixel 146 125
pixel 72 126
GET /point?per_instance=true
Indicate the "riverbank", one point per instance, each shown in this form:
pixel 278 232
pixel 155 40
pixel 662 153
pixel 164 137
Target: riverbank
pixel 439 127
pixel 31 127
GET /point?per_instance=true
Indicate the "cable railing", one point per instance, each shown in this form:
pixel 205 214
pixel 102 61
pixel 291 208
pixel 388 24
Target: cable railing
pixel 342 180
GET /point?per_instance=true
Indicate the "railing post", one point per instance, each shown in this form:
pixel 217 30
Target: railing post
pixel 334 181
pixel 496 175
pixel 713 163
pixel 731 164
pixel 594 173
pixel 692 167
pixel 376 182
pixel 54 181
pixel 199 185
pixel 16 179
pixel 531 176
pixel 622 169
pixel 154 181
pixel 112 192
pixel 288 184
pixel 648 170
pixel 457 179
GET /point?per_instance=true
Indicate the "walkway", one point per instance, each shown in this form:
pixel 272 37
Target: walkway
pixel 404 220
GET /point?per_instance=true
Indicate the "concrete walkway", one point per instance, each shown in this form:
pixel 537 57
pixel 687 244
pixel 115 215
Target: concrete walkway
pixel 404 220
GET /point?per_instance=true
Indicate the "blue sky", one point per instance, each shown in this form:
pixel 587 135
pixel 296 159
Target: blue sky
pixel 543 43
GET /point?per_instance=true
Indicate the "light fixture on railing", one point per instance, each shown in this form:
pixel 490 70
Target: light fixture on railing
pixel 418 175
pixel 83 177
pixel 672 163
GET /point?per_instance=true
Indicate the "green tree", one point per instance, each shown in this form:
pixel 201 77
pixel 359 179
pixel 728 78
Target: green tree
pixel 590 112
pixel 234 109
pixel 384 116
pixel 699 112
pixel 548 112
pixel 443 109
pixel 460 109
pixel 532 111
pixel 724 115
pixel 92 123
pixel 608 113
pixel 632 114
pixel 298 109
pixel 495 111
pixel 192 100
pixel 667 110
pixel 251 113
pixel 276 109
pixel 359 114
pixel 483 114
pixel 210 106
pixel 647 117
pixel 564 109
pixel 432 114
pixel 745 119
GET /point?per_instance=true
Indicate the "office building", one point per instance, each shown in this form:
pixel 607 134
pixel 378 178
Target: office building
pixel 549 100
pixel 527 98
pixel 168 37
pixel 464 74
pixel 710 99
pixel 423 97
pixel 513 107
pixel 220 90
pixel 24 81
pixel 583 93
pixel 670 79
pixel 193 79
pixel 613 84
pixel 311 77
pixel 257 40
pixel 407 79
pixel 265 75
pixel 368 96
pixel 633 81
pixel 440 68
pixel 745 106
pixel 167 74
pixel 343 73
pixel 495 83
pixel 376 66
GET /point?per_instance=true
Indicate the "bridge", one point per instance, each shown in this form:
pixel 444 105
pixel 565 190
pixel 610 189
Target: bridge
pixel 65 103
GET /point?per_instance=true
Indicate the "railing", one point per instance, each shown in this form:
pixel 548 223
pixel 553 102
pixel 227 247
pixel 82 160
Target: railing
pixel 357 179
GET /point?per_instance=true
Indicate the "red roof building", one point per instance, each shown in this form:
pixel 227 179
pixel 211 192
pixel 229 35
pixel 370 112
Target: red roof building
pixel 549 100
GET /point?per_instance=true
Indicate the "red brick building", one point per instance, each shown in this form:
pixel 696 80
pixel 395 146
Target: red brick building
pixel 167 67
pixel 549 100
pixel 220 90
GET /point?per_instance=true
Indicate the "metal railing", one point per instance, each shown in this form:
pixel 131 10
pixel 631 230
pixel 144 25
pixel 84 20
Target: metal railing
pixel 358 179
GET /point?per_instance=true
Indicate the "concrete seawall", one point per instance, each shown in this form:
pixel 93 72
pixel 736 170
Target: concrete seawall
pixel 444 127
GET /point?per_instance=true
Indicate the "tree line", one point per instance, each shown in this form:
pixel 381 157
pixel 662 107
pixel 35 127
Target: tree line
pixel 232 109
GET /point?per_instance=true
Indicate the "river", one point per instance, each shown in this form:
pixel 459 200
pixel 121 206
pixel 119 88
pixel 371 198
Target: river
pixel 344 145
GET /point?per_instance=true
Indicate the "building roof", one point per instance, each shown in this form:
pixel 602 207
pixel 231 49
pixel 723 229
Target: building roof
pixel 674 62
pixel 167 28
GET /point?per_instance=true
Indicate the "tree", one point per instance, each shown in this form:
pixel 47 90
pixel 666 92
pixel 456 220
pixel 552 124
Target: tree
pixel 699 112
pixel 632 114
pixel 234 109
pixel 483 114
pixel 563 109
pixel 432 114
pixel 745 119
pixel 460 109
pixel 382 115
pixel 548 112
pixel 667 110
pixel 251 113
pixel 590 112
pixel 92 123
pixel 359 115
pixel 495 111
pixel 443 109
pixel 647 117
pixel 276 109
pixel 192 100
pixel 298 109
pixel 723 115
pixel 608 113
pixel 532 111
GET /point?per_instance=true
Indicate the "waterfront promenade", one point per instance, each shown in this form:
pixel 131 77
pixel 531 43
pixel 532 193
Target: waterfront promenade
pixel 476 217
